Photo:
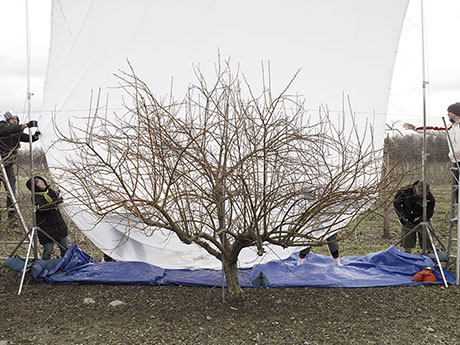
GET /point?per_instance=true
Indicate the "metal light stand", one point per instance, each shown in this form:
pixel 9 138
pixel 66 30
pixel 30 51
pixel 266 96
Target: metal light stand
pixel 428 230
pixel 424 224
pixel 457 265
pixel 424 85
pixel 34 219
pixel 37 230
pixel 29 95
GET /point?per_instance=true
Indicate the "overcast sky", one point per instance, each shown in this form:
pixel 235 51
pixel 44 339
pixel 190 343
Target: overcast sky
pixel 442 55
pixel 442 29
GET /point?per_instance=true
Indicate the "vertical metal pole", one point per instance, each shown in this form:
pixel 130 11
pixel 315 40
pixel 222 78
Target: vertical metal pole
pixel 457 264
pixel 424 85
pixel 28 58
pixel 29 96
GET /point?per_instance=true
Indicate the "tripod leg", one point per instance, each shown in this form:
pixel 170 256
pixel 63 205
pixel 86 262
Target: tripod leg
pixel 407 234
pixel 13 197
pixel 26 262
pixel 21 242
pixel 16 205
pixel 52 239
pixel 428 232
pixel 433 233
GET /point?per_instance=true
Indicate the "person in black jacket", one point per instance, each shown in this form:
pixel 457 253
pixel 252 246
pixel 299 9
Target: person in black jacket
pixel 49 218
pixel 408 206
pixel 11 134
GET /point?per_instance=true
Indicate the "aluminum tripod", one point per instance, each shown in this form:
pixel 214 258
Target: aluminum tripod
pixel 13 198
pixel 30 234
pixel 427 230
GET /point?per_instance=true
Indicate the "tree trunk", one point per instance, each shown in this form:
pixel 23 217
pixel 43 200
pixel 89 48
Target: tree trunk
pixel 386 221
pixel 235 293
pixel 386 206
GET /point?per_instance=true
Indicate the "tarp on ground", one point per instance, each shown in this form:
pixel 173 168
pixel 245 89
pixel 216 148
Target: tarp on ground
pixel 389 267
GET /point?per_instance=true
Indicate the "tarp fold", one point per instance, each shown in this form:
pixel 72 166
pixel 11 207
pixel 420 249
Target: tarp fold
pixel 389 267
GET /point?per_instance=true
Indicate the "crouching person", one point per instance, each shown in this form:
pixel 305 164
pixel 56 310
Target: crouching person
pixel 49 218
pixel 408 206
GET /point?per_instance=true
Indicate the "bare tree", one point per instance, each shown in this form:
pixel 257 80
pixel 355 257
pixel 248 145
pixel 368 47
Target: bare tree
pixel 225 168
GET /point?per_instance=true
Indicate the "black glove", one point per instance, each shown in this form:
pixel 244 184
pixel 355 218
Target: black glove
pixel 38 133
pixel 411 221
pixel 32 123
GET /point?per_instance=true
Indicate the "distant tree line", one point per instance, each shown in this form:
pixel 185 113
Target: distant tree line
pixel 409 148
pixel 40 163
pixel 401 149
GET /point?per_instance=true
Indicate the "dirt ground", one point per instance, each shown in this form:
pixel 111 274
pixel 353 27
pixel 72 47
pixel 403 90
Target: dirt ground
pixel 51 314
pixel 58 314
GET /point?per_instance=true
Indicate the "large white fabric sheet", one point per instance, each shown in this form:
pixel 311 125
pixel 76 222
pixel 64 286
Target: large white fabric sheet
pixel 342 48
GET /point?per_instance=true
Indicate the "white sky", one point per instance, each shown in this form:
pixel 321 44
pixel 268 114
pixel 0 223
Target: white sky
pixel 442 28
pixel 442 55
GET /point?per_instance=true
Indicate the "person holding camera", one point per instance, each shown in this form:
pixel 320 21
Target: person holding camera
pixel 11 134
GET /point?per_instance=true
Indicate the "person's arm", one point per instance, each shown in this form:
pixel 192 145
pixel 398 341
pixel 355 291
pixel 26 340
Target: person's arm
pixel 43 205
pixel 25 137
pixel 6 129
pixel 398 205
pixel 411 127
pixel 40 203
pixel 430 206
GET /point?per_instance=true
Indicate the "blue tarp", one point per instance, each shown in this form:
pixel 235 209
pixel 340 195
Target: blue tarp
pixel 389 267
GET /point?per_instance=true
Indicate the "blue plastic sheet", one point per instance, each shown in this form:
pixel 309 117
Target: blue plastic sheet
pixel 390 267
pixel 78 267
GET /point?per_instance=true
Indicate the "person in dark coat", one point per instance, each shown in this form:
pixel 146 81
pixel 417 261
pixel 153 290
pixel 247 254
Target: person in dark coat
pixel 11 134
pixel 408 206
pixel 49 218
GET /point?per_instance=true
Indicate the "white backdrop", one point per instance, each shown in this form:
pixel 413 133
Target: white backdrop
pixel 342 48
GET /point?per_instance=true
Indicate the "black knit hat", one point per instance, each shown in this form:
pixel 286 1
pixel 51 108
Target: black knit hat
pixel 36 178
pixel 454 108
pixel 8 116
pixel 418 185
